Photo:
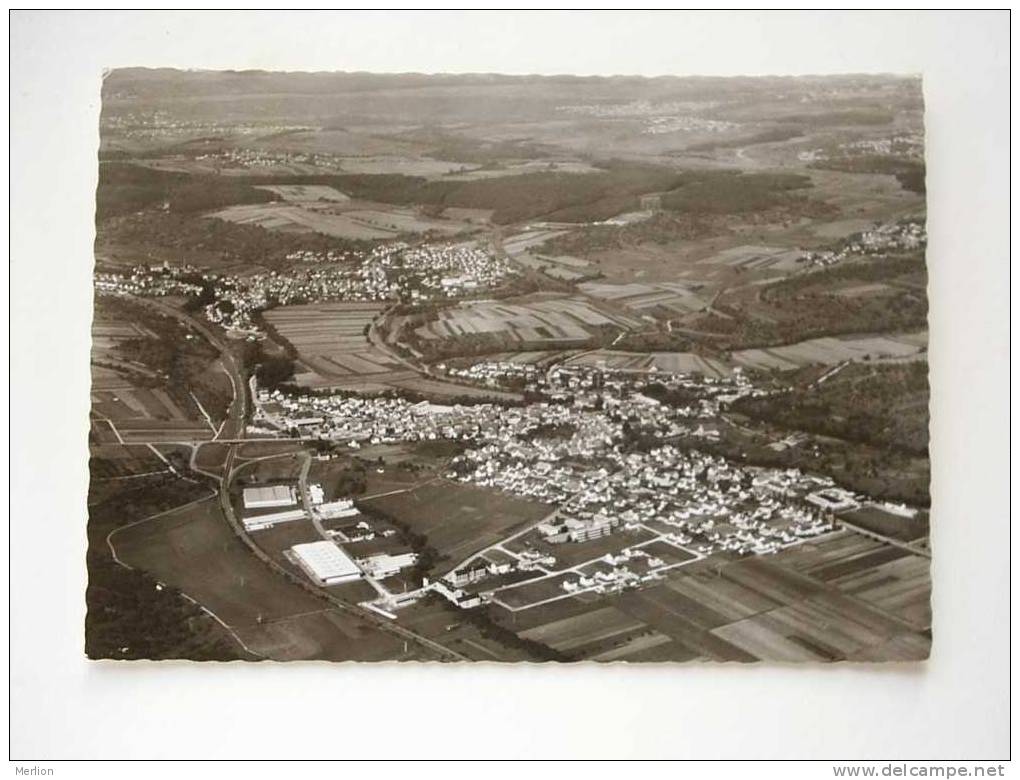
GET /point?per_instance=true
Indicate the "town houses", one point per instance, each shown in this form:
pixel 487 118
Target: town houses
pixel 575 448
pixel 392 272
pixel 905 235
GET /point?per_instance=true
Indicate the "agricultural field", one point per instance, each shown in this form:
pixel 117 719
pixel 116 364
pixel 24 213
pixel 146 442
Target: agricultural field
pixel 665 362
pixel 527 323
pixel 758 258
pixel 562 267
pixel 877 519
pixel 278 468
pixel 518 169
pixel 438 620
pixel 331 341
pixel 541 358
pixel 195 550
pixel 520 243
pixel 296 219
pixel 144 415
pixel 129 400
pixel 719 250
pixel 474 216
pixel 333 350
pixel 665 300
pixel 400 221
pixel 219 166
pixel 131 615
pixel 425 167
pixel 839 597
pixel 436 388
pixel 350 223
pixel 830 351
pixel 107 380
pixel 587 628
pixel 337 142
pixel 306 193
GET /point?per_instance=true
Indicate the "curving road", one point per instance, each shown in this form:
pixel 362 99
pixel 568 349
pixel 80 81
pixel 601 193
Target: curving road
pixel 236 414
pixel 229 473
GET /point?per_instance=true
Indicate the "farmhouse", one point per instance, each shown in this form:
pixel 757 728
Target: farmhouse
pixel 325 563
pixel 269 496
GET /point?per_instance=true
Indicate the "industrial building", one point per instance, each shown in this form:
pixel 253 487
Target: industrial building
pixel 384 565
pixel 834 499
pixel 343 507
pixel 258 522
pixel 325 563
pixel 269 496
pixel 316 494
pixel 579 529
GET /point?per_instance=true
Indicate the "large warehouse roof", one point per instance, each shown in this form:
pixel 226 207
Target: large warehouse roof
pixel 258 522
pixel 269 495
pixel 326 562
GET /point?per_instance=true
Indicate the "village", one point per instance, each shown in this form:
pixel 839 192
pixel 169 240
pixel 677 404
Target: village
pixel 392 272
pixel 159 125
pixel 583 449
pixel 616 377
pixel 891 237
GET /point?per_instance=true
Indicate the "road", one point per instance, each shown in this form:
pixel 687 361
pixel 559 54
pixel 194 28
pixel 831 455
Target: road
pixel 236 415
pixel 425 371
pixel 380 344
pixel 521 532
pixel 238 410
pixel 909 547
pixel 384 624
pixel 205 609
pixel 306 503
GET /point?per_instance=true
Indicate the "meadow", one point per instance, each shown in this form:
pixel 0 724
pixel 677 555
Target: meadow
pixel 194 550
pixel 458 520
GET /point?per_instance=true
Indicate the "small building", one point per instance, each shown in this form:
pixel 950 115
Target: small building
pixel 326 563
pixel 316 494
pixel 269 496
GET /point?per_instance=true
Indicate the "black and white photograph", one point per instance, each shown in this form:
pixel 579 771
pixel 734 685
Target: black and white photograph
pixel 496 368
pixel 598 370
